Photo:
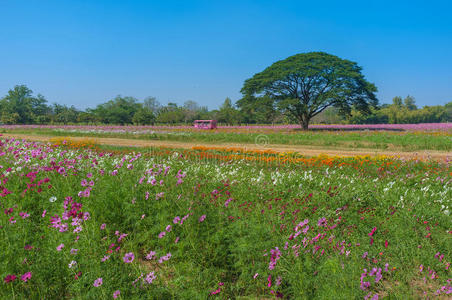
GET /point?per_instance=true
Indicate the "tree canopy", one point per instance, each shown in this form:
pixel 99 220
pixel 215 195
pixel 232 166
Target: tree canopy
pixel 305 84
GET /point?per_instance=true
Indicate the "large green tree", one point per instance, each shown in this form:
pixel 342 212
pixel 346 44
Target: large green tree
pixel 305 84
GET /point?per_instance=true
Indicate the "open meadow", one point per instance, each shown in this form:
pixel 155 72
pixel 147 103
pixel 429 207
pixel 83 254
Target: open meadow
pixel 85 220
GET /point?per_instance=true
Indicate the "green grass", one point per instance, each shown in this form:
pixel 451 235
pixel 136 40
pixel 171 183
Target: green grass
pixel 405 141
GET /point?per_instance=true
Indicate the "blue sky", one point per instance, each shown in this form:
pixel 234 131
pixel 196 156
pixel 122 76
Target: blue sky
pixel 84 53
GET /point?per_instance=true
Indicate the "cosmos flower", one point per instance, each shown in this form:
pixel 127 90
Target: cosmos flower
pixel 151 255
pixel 9 278
pixel 128 257
pixel 98 282
pixel 116 294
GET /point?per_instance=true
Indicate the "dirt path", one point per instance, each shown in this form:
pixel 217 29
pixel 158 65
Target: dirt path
pixel 304 150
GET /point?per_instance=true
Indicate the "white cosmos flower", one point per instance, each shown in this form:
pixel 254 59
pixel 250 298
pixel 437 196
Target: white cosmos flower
pixel 53 199
pixel 72 263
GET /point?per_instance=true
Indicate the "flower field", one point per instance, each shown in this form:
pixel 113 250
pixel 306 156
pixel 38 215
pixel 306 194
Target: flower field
pixel 78 222
pixel 392 137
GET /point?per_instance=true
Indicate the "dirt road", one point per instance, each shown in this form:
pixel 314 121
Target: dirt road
pixel 304 150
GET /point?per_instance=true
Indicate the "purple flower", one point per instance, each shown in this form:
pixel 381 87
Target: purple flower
pixel 74 251
pixel 150 277
pixel 116 294
pixel 102 227
pixel 162 234
pixel 168 228
pixel 176 219
pixel 128 258
pixel 98 282
pixel 202 218
pixel 322 222
pixel 106 257
pixel 151 255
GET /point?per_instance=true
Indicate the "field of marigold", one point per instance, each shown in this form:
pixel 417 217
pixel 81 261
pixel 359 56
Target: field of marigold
pixel 81 222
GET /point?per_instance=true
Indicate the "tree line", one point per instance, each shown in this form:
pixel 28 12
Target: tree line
pixel 20 106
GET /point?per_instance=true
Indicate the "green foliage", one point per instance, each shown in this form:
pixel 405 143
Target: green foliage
pixel 305 84
pixel 143 117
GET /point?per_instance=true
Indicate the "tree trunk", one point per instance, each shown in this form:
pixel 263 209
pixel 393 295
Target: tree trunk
pixel 305 123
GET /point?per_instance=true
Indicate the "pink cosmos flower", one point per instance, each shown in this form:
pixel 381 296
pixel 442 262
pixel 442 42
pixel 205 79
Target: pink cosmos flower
pixel 98 282
pixel 59 247
pixel 162 234
pixel 176 219
pixel 102 227
pixel 202 218
pixel 106 257
pixel 44 213
pixel 255 275
pixel 150 277
pixel 74 251
pixel 322 222
pixel 128 258
pixel 168 228
pixel 116 294
pixel 151 255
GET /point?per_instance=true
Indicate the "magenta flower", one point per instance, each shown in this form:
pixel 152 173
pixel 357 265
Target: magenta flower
pixel 59 247
pixel 255 275
pixel 176 219
pixel 102 227
pixel 10 278
pixel 168 228
pixel 202 218
pixel 98 282
pixel 162 234
pixel 373 231
pixel 116 294
pixel 26 277
pixel 128 258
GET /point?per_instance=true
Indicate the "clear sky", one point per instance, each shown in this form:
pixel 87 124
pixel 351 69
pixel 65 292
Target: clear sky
pixel 84 53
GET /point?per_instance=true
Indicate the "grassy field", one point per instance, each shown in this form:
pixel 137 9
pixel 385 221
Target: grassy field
pixel 383 140
pixel 174 224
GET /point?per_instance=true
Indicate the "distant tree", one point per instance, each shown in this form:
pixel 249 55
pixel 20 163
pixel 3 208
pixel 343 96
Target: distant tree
pixel 227 113
pixel 305 84
pixel 143 117
pixel 171 114
pixel 17 106
pixel 120 110
pixel 397 101
pixel 410 103
pixel 152 104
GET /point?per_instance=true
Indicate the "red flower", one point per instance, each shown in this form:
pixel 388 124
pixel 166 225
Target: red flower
pixel 10 278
